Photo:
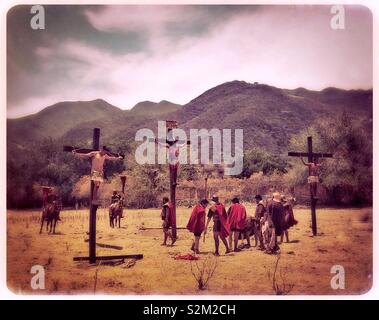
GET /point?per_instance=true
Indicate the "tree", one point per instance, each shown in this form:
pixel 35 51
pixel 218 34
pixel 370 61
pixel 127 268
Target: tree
pixel 259 160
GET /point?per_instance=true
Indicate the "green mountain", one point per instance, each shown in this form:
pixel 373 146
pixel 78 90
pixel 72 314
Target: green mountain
pixel 54 121
pixel 268 115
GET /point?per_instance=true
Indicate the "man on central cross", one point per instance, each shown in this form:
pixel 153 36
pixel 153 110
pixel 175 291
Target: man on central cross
pixel 173 157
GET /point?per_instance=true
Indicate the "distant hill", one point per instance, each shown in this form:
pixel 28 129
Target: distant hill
pixel 268 115
pixel 153 108
pixel 56 120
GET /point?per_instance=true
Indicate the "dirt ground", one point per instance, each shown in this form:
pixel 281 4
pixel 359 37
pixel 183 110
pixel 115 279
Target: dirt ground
pixel 305 263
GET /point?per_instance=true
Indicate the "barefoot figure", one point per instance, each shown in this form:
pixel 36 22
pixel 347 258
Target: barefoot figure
pixel 166 215
pixel 220 225
pixel 196 223
pixel 237 221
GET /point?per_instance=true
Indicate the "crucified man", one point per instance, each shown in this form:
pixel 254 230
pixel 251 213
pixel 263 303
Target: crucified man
pixel 173 157
pixel 313 172
pixel 97 168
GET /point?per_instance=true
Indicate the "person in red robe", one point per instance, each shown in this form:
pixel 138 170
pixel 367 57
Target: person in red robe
pixel 221 227
pixel 166 216
pixel 196 223
pixel 237 221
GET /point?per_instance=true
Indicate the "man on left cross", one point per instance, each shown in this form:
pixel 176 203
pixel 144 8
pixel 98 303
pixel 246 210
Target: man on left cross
pixel 97 168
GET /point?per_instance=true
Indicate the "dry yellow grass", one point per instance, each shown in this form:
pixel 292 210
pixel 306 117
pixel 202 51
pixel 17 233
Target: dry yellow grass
pixel 345 239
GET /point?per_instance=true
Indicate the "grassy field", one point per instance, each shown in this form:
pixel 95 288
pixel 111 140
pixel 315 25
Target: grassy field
pixel 345 239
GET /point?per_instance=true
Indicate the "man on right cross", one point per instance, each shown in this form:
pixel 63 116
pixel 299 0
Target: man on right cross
pixel 313 179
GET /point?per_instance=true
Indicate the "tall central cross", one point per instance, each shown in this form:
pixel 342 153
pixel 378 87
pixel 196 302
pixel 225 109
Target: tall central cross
pixel 312 158
pixel 170 141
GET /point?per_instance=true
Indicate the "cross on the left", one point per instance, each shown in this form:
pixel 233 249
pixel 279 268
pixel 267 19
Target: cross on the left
pixel 98 159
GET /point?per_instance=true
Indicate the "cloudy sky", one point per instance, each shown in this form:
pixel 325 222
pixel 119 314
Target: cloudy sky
pixel 127 54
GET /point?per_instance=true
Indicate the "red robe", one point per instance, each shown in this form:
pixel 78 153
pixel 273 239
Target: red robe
pixel 237 216
pixel 225 228
pixel 196 222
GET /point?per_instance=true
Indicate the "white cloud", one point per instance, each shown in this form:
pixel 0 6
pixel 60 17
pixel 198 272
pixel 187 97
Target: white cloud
pixel 285 47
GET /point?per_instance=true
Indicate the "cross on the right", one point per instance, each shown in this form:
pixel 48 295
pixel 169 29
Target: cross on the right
pixel 312 159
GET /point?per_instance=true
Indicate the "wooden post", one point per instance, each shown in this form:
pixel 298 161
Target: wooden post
pixel 206 187
pixel 313 200
pixel 93 207
pixel 173 202
pixel 311 158
pixel 172 124
pixel 313 213
pixel 170 141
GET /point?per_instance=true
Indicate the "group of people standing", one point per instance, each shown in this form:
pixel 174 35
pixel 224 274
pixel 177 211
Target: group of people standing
pixel 273 218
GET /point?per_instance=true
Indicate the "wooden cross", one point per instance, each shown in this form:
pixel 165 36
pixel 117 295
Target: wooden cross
pixel 312 157
pixel 93 208
pixel 172 124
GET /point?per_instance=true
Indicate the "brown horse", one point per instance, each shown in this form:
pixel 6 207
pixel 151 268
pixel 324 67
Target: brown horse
pixel 115 213
pixel 50 214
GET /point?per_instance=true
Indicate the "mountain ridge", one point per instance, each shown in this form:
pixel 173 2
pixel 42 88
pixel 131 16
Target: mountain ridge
pixel 268 115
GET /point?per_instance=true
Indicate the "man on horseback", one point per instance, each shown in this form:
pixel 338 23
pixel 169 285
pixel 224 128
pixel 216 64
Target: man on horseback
pixel 115 197
pixel 116 210
pixel 50 212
